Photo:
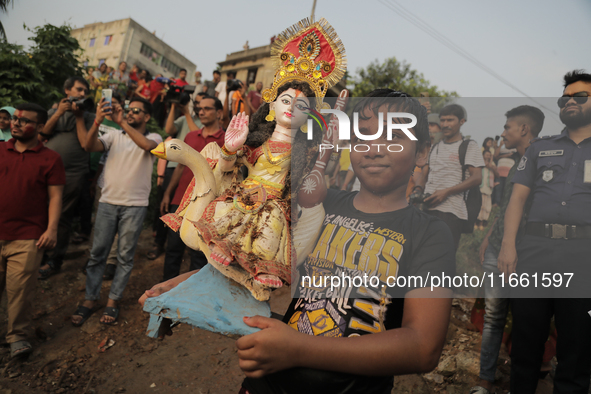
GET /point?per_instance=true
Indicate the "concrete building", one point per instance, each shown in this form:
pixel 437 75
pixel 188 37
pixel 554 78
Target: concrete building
pixel 255 65
pixel 126 40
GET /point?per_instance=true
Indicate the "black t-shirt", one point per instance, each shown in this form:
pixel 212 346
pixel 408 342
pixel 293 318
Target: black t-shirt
pixel 397 244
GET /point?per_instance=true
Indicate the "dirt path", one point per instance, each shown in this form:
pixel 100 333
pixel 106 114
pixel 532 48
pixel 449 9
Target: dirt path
pixel 191 361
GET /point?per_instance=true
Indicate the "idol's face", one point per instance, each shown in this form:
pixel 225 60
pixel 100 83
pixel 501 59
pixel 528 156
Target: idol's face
pixel 290 109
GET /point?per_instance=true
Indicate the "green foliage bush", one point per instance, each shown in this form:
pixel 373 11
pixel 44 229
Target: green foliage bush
pixel 38 75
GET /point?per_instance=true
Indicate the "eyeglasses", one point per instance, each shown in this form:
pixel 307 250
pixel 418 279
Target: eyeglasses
pixel 22 121
pixel 136 110
pixel 579 97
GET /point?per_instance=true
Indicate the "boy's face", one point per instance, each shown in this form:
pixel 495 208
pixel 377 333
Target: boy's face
pixel 512 132
pixel 379 170
pixel 4 120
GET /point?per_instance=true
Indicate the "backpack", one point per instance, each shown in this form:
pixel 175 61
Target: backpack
pixel 472 197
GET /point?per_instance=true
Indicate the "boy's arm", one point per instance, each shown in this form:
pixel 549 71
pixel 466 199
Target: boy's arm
pixel 414 347
pixel 421 181
pixel 49 238
pixel 484 243
pixel 508 254
pixel 420 177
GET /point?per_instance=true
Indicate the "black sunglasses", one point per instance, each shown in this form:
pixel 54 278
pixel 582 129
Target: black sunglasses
pixel 580 98
pixel 22 121
pixel 136 110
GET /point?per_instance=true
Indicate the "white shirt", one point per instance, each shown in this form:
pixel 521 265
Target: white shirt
pixel 128 172
pixel 221 89
pixel 445 171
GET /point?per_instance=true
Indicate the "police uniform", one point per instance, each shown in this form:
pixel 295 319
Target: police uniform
pixel 557 241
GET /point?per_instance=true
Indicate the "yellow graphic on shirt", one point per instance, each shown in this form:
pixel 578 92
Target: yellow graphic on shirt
pixel 321 321
pixel 293 321
pixel 375 253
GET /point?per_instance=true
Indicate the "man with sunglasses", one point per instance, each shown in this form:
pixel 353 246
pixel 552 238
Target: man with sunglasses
pixel 60 129
pixel 32 179
pixel 124 199
pixel 556 173
pixel 210 112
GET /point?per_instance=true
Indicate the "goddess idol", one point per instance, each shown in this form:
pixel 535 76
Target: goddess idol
pixel 244 225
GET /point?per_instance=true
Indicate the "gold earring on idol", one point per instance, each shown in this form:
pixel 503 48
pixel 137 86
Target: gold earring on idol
pixel 304 128
pixel 271 116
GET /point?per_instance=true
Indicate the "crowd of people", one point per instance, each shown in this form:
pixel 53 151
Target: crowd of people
pixel 52 162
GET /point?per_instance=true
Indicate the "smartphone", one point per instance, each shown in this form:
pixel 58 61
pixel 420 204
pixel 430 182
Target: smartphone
pixel 108 96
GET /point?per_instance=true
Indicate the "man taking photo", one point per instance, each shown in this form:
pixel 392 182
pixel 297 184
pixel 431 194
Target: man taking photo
pixel 60 129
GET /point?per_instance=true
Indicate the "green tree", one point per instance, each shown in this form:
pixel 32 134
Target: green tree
pixel 4 10
pixel 395 75
pixel 39 74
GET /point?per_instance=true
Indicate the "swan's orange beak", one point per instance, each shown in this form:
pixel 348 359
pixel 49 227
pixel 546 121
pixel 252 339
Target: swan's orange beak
pixel 159 151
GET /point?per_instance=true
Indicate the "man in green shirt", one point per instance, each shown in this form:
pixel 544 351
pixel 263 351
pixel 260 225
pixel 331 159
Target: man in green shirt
pixel 523 124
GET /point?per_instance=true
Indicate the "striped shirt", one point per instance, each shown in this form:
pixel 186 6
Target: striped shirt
pixel 445 171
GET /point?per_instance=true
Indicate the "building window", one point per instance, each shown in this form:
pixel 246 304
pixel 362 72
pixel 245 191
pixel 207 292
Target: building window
pixel 159 60
pixel 86 63
pixel 91 42
pixel 101 61
pixel 108 39
pixel 252 76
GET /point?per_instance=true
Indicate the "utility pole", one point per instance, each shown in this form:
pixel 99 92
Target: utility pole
pixel 313 10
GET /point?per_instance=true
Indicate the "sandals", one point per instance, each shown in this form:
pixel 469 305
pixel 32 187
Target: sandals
pixel 154 253
pixel 79 238
pixel 47 272
pixel 479 390
pixel 20 349
pixel 111 312
pixel 84 312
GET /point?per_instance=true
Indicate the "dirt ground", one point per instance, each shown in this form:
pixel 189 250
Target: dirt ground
pixel 66 359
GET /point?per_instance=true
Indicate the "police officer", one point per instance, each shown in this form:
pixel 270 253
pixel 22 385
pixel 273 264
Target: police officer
pixel 556 171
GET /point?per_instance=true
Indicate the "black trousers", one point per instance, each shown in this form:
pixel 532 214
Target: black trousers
pixel 175 249
pixel 159 226
pixel 72 191
pixel 531 316
pixel 454 223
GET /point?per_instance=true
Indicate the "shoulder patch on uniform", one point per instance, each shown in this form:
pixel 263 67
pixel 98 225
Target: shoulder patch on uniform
pixel 546 137
pixel 522 164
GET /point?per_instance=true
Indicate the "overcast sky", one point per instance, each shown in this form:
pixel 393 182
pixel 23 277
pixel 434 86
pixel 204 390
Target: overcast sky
pixel 529 43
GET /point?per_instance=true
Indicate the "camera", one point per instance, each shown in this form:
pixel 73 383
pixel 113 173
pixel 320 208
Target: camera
pixel 85 104
pixel 177 94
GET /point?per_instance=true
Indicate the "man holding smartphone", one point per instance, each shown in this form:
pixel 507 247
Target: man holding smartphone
pixel 60 129
pixel 124 199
